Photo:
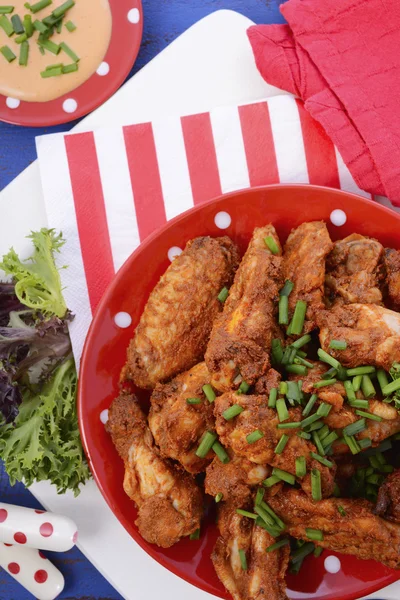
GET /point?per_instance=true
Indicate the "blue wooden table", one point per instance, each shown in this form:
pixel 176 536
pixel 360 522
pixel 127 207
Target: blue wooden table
pixel 164 21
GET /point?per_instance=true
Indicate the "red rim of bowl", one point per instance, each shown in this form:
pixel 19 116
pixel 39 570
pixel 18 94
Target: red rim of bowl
pixel 97 89
pixel 148 548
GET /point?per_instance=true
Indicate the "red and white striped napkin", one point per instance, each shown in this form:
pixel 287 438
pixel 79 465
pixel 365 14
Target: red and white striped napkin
pixel 108 189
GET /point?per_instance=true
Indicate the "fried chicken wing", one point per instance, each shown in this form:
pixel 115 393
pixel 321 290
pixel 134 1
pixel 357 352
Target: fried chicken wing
pixel 304 265
pixel 388 503
pixel 372 334
pixel 178 426
pixel 392 265
pixel 264 578
pixel 359 532
pixel 175 325
pixel 265 384
pixel 354 271
pixel 169 502
pixel 241 337
pixel 333 394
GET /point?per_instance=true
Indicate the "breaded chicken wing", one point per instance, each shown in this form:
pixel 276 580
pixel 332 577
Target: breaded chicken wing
pixel 359 532
pixel 174 328
pixel 353 271
pixel 372 334
pixel 169 502
pixel 176 425
pixel 304 265
pixel 267 382
pixel 392 265
pixel 240 340
pixel 388 503
pixel 264 578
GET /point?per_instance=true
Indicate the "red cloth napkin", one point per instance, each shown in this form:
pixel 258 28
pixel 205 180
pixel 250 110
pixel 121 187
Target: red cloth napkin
pixel 342 58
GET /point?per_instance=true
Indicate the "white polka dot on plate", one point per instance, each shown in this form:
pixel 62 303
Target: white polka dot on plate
pixel 338 217
pixel 70 105
pixel 174 252
pixel 104 416
pixel 123 320
pixel 222 220
pixel 332 564
pixel 134 15
pixel 104 69
pixel 13 103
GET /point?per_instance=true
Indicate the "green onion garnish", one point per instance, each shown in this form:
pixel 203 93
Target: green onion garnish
pixel 324 383
pixel 297 369
pixel 282 410
pixel 24 54
pixel 281 444
pixel 367 387
pixel 309 420
pixel 283 542
pixel 273 531
pixel 39 26
pixel 221 452
pixel 224 293
pixel 265 516
pixel 374 479
pixel 270 481
pixel 329 374
pixel 38 6
pixel 219 497
pixel 6 25
pixel 206 444
pixel 318 443
pixel 318 551
pixel 50 46
pixel 354 428
pixel 301 341
pixel 301 466
pixel 359 403
pixel 61 10
pixel 360 371
pixel 327 358
pixel 275 517
pixel 51 72
pixel 357 379
pixel 365 443
pixel 7 53
pixel 287 288
pixel 276 351
pixel 304 435
pixel 209 392
pixel 329 439
pixel 70 68
pixel 310 405
pixel 21 38
pixel 385 468
pixel 283 310
pixel 259 496
pixel 382 378
pixel 293 390
pixel 70 25
pixel 296 326
pixel 316 489
pixel 324 461
pixel 195 535
pixel 253 437
pixel 232 412
pixel 193 400
pixel 323 432
pixel 367 415
pixel 58 26
pixel 243 387
pixel 324 409
pixel 338 345
pixel 302 552
pixel 314 534
pixel 4 10
pixel 245 513
pixel 293 425
pixel 391 387
pixel 351 396
pixel 272 398
pixel 271 244
pixel 301 361
pixel 69 52
pixel 283 387
pixel 284 475
pixel 352 444
pixel 17 24
pixel 341 510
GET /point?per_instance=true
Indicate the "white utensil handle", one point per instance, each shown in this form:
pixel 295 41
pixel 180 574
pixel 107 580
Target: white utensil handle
pixel 32 570
pixel 36 528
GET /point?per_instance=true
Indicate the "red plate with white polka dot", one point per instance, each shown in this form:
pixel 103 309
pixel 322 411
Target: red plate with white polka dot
pixel 126 36
pixel 328 577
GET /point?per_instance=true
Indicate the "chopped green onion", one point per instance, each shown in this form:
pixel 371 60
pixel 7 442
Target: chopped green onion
pixel 310 405
pixel 327 358
pixel 341 373
pixel 245 513
pixel 354 428
pixel 275 517
pixel 56 66
pixel 316 489
pixel 341 511
pixel 38 6
pixel 51 72
pixel 364 443
pixel 309 420
pixel 281 444
pixel 386 468
pixel 39 26
pixel 209 392
pixel 232 412
pixel 314 426
pixel 304 435
pixel 276 350
pixel 266 517
pixel 24 54
pixel 300 353
pixel 283 310
pixel 391 387
pixel 284 475
pixel 259 496
pixel 6 25
pixel 272 245
pixel 50 46
pixel 302 552
pixel 283 387
pixel 324 409
pixel 301 466
pixel 219 497
pixel 221 452
pixel 243 560
pixel 4 10
pixel 318 551
pixel 297 324
pixel 70 25
pixel 270 481
pixel 322 460
pixel 367 387
pixel 329 374
pixel 69 52
pixel 273 531
pixel 58 26
pixel 314 534
pixel 329 439
pixel 359 403
pixel 21 38
pixel 224 293
pixel 318 443
pixel 193 400
pixel 282 410
pixel 302 341
pixel 293 390
pixel 61 10
pixel 360 371
pixel 253 437
pixel 288 355
pixel 362 413
pixel 374 479
pixel 352 444
pixel 287 288
pixel 338 345
pixel 323 432
pixel 293 425
pixel 297 369
pixel 195 535
pixel 357 379
pixel 17 24
pixel 324 383
pixel 7 53
pixel 382 378
pixel 206 444
pixel 272 398
pixel 243 387
pixel 301 361
pixel 349 391
pixel 283 542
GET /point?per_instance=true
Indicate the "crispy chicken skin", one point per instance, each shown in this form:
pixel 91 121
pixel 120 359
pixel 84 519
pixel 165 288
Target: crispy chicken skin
pixel 264 578
pixel 392 265
pixel 304 264
pixel 257 416
pixel 372 334
pixel 170 504
pixel 333 394
pixel 178 426
pixel 174 328
pixel 388 503
pixel 241 337
pixel 265 384
pixel 360 532
pixel 235 479
pixel 353 271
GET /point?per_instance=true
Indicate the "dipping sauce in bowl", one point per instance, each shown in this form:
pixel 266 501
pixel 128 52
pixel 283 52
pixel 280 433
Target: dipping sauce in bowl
pixel 57 63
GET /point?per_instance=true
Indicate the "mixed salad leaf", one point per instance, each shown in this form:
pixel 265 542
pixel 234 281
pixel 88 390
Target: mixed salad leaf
pixel 39 434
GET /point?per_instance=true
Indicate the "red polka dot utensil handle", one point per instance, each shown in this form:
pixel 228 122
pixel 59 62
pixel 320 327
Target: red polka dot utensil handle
pixel 36 529
pixel 32 570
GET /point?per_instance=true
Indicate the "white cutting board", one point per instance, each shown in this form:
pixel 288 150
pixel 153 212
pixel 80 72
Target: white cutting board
pixel 210 65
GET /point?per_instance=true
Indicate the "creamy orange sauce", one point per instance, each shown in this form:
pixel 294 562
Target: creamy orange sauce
pixel 89 41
